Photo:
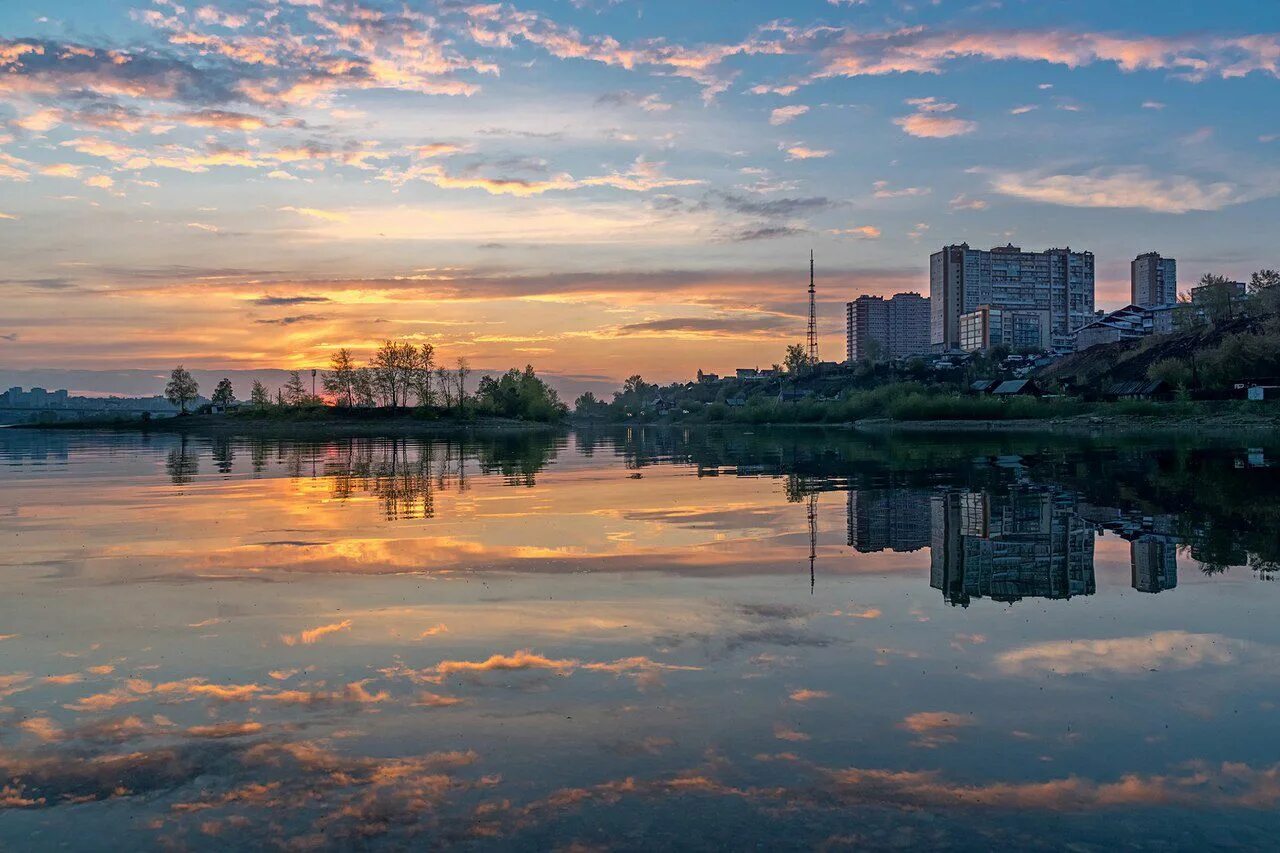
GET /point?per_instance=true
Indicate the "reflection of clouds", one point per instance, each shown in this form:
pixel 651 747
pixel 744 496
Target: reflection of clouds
pixel 13 683
pixel 314 635
pixel 806 695
pixel 646 671
pixel 933 728
pixel 1160 649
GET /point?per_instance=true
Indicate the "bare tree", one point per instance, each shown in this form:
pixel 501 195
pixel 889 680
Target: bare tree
pixel 339 380
pixel 464 370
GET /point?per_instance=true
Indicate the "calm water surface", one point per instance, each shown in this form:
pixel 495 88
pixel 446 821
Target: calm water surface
pixel 638 640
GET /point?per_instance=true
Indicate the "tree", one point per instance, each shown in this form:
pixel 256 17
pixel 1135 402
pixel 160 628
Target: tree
pixel 340 378
pixel 363 391
pixel 1172 370
pixel 182 388
pixel 464 370
pixel 1263 280
pixel 445 383
pixel 422 361
pixel 295 390
pixel 519 394
pixel 588 406
pixel 1265 287
pixel 223 395
pixel 797 359
pixel 1216 297
pixel 258 394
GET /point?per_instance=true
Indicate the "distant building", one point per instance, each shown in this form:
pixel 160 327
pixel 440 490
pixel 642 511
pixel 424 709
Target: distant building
pixel 1153 280
pixel 1209 299
pixel 876 328
pixel 708 378
pixel 1128 323
pixel 1020 331
pixel 962 279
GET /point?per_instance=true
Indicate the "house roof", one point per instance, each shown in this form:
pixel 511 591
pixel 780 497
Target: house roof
pixel 1014 386
pixel 1136 388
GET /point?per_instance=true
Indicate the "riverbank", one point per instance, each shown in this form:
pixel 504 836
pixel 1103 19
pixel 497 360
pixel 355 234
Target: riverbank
pixel 300 427
pixel 1086 424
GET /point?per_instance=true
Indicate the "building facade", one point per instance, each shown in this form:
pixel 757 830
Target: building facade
pixel 962 279
pixel 1153 280
pixel 1020 331
pixel 1126 324
pixel 878 328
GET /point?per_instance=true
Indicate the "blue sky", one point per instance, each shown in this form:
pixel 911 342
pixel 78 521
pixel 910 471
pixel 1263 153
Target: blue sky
pixel 597 187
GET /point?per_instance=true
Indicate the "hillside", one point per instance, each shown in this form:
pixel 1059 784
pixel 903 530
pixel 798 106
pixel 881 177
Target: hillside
pixel 1131 360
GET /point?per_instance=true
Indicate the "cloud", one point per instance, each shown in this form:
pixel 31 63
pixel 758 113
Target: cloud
pixel 917 50
pixel 1131 187
pixel 756 326
pixel 765 232
pixel 963 202
pixel 862 232
pixel 648 103
pixel 883 190
pixel 315 213
pixel 806 695
pixel 934 728
pixel 782 115
pixel 930 121
pixel 311 636
pixel 269 300
pixel 800 151
pixel 1123 655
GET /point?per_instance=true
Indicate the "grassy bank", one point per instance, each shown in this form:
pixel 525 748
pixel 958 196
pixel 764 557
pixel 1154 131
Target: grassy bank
pixel 914 403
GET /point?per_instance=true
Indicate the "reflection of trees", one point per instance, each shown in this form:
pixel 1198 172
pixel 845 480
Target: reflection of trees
pixel 223 455
pixel 397 471
pixel 406 474
pixel 182 463
pixel 516 457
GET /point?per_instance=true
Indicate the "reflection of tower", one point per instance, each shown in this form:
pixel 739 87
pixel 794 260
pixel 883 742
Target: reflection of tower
pixel 1154 561
pixel 813 316
pixel 813 536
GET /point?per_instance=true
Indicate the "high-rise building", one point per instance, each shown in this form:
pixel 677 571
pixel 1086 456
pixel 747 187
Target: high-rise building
pixel 879 328
pixel 1153 280
pixel 962 279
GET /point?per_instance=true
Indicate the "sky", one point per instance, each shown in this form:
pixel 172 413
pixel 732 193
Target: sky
pixel 596 187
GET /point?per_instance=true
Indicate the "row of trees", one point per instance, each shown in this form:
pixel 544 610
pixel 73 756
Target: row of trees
pixel 399 375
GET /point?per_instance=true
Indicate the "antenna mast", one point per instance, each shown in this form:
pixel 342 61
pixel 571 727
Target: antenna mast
pixel 813 316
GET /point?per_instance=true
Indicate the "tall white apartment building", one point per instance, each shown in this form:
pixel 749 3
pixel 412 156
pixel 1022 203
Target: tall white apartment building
pixel 962 279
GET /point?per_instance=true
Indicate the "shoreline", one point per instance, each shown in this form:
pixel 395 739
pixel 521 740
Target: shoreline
pixel 322 427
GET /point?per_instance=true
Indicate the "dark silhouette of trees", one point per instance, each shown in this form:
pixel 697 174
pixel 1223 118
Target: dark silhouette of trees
pixel 182 388
pixel 223 394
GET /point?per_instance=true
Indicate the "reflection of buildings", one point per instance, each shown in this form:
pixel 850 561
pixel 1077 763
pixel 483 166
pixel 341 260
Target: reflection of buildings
pixel 1006 546
pixel 1154 561
pixel 888 520
pixel 1026 544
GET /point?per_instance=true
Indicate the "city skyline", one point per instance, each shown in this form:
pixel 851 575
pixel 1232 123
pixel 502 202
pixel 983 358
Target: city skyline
pixel 598 188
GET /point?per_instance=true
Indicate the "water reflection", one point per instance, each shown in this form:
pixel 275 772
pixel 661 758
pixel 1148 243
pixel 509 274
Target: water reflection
pixel 513 640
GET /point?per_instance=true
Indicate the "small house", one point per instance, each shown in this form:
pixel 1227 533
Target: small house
pixel 737 401
pixel 984 386
pixel 1139 389
pixel 1017 388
